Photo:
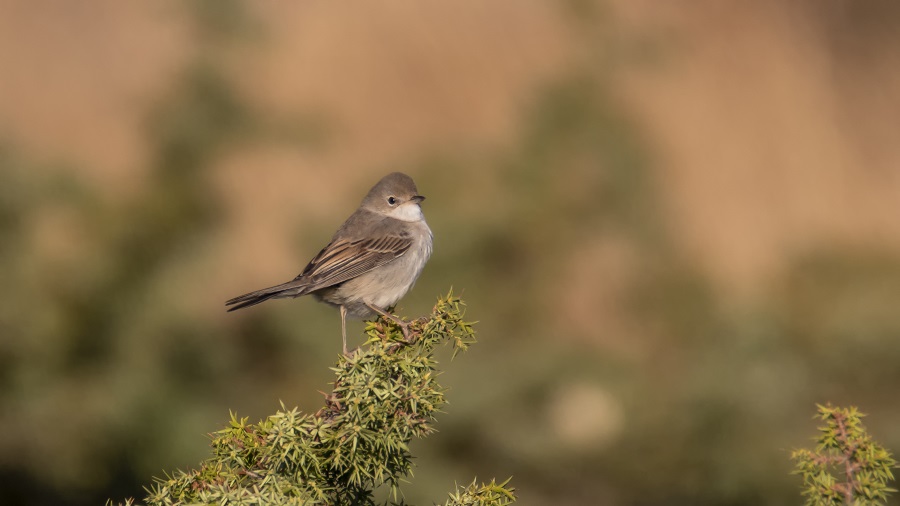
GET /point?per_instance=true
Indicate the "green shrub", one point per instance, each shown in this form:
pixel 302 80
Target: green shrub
pixel 385 393
pixel 847 467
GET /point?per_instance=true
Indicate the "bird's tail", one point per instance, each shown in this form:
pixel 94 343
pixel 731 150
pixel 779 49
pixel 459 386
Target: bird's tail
pixel 289 289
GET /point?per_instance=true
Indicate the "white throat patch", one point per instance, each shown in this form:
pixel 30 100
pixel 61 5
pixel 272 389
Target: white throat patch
pixel 409 211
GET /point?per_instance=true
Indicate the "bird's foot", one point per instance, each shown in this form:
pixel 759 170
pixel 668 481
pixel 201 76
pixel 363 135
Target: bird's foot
pixel 404 325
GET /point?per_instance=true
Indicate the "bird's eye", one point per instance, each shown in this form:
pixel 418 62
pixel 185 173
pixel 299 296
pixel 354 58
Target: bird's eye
pixel 392 201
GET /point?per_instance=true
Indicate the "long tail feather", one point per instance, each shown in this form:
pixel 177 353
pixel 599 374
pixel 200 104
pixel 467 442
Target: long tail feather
pixel 289 289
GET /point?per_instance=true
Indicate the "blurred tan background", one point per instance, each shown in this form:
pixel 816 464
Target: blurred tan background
pixel 679 227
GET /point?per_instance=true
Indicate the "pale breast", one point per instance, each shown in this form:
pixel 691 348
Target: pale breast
pixel 384 286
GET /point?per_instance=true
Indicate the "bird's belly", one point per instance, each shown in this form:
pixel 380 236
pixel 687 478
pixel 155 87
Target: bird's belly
pixel 383 286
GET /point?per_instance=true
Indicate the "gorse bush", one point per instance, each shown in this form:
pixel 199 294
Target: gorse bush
pixel 847 466
pixel 385 393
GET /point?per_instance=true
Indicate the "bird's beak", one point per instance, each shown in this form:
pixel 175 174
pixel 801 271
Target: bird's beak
pixel 417 198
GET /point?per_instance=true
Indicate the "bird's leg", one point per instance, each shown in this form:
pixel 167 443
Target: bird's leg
pixel 344 327
pixel 404 326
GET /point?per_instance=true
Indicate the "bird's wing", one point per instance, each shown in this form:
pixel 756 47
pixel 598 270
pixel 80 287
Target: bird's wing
pixel 345 259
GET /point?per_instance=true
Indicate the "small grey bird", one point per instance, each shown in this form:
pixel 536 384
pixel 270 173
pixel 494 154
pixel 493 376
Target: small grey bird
pixel 372 260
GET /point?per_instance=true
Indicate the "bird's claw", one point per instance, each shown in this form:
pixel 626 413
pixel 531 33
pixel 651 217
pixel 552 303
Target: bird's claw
pixel 404 327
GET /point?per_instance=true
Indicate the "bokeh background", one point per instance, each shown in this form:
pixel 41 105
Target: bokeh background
pixel 678 226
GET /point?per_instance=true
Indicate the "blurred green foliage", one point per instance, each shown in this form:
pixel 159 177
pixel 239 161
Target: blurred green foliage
pixel 107 375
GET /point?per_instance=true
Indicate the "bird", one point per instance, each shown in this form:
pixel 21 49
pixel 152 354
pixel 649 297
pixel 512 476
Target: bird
pixel 372 260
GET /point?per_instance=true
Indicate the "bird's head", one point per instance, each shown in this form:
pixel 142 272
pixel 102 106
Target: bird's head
pixel 395 196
